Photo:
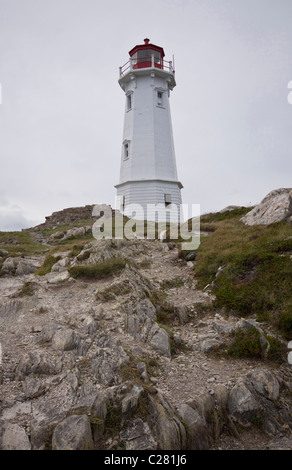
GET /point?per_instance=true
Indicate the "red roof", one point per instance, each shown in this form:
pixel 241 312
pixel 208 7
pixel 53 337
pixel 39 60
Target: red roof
pixel 146 45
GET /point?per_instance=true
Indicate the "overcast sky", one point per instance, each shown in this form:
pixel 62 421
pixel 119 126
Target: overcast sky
pixel 62 111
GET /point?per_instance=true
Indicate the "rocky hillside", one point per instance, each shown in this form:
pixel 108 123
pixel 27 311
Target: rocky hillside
pixel 124 345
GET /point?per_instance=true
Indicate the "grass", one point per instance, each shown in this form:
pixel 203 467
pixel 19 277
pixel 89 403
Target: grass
pixel 27 290
pixel 256 268
pixel 171 283
pixel 48 263
pixel 102 270
pixel 20 244
pixel 110 293
pixel 246 343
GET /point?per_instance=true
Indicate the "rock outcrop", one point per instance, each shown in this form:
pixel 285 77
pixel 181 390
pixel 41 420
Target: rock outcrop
pixel 124 363
pixel 275 207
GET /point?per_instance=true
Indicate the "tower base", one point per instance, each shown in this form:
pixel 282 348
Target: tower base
pixel 155 200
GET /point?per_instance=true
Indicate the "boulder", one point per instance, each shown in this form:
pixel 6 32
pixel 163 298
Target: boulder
pixel 265 383
pixel 20 266
pixel 107 362
pixel 13 437
pixel 142 326
pixel 242 403
pixel 73 433
pixel 39 363
pixel 65 339
pixel 137 436
pixel 165 425
pixel 130 402
pixel 197 428
pixel 275 207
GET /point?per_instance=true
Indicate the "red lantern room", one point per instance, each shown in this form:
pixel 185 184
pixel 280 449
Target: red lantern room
pixel 147 55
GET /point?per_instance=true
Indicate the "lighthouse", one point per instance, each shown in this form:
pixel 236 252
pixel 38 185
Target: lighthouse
pixel 148 188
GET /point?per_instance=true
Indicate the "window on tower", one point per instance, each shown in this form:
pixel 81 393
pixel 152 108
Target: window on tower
pixel 126 150
pixel 129 101
pixel 160 98
pixel 167 199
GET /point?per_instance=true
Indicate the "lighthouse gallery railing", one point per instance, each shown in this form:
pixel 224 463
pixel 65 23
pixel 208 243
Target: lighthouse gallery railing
pixel 134 64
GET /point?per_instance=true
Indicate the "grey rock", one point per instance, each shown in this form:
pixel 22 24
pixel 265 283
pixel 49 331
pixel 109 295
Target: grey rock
pixel 60 265
pixel 275 207
pixel 130 402
pixel 137 436
pixel 9 311
pixel 73 433
pixel 141 367
pixel 33 387
pixel 281 443
pixel 223 326
pixel 182 313
pixel 13 437
pixel 106 364
pixel 210 345
pixel 142 326
pixel 54 278
pixel 265 383
pixel 39 363
pixel 197 428
pixel 165 425
pixel 47 333
pixel 9 266
pixel 242 403
pixel 20 266
pixel 51 408
pixel 65 340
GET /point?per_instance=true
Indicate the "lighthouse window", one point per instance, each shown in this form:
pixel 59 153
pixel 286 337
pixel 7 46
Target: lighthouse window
pixel 167 199
pixel 129 101
pixel 160 98
pixel 126 150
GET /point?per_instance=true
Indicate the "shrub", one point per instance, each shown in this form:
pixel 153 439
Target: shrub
pixel 246 343
pixel 285 320
pixel 98 271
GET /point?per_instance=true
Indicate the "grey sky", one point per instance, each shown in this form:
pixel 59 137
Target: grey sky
pixel 61 119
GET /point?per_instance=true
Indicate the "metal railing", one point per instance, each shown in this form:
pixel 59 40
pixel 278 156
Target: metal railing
pixel 147 62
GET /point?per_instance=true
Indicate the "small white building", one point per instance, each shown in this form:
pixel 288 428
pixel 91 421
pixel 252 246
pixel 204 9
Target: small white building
pixel 148 174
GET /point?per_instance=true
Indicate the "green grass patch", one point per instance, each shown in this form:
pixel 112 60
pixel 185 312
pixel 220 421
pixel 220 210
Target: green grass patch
pixel 20 244
pixel 76 250
pixel 102 270
pixel 27 290
pixel 111 292
pixel 171 283
pixel 246 343
pixel 256 269
pixel 47 265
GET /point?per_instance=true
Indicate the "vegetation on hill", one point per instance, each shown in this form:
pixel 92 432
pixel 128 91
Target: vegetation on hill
pixel 248 268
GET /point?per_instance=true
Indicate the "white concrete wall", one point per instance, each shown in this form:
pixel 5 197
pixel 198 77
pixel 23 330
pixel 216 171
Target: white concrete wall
pixel 144 193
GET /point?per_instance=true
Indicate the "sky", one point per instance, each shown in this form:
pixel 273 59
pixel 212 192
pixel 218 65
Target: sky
pixel 62 109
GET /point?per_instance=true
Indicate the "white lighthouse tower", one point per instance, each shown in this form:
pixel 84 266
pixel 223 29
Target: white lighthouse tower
pixel 148 174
